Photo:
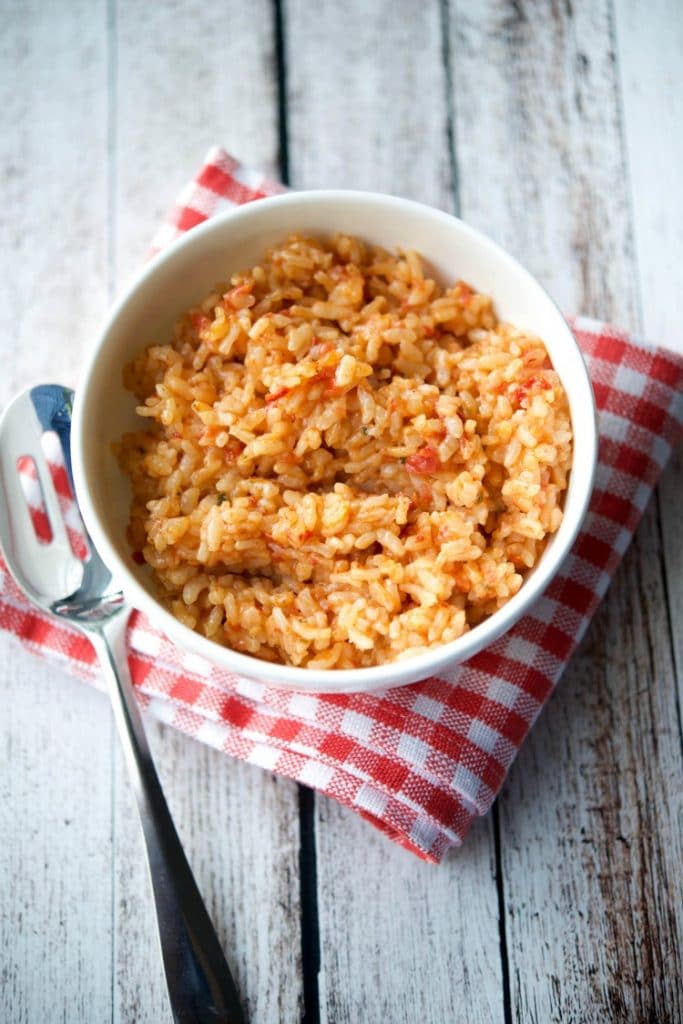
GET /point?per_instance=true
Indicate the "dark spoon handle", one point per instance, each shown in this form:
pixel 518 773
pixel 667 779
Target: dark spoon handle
pixel 200 986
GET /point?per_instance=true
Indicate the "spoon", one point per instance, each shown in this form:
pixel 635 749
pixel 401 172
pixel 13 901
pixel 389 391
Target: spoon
pixel 200 986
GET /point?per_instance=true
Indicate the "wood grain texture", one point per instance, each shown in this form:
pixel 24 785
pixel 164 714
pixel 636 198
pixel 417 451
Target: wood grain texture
pixel 650 72
pixel 55 782
pixel 399 940
pixel 650 44
pixel 56 849
pixel 53 213
pixel 590 817
pixel 239 826
pixel 539 150
pixel 591 823
pixel 185 78
pixel 366 100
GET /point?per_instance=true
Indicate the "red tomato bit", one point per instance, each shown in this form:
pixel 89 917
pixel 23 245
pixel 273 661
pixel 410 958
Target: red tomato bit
pixel 277 395
pixel 240 289
pixel 424 461
pixel 199 321
pixel 465 292
pixel 326 374
pixel 520 396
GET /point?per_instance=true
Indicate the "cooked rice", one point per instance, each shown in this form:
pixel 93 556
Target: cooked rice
pixel 343 463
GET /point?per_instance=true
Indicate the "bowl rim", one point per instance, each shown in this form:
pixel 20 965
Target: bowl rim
pixel 303 679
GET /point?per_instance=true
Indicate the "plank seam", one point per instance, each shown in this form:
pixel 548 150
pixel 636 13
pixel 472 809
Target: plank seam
pixel 502 933
pixel 450 107
pixel 281 75
pixel 310 930
pixel 308 875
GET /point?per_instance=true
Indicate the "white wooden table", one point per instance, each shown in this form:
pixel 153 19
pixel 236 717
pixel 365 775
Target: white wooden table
pixel 556 128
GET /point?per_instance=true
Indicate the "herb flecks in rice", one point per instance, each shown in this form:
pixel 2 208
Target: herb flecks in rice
pixel 343 463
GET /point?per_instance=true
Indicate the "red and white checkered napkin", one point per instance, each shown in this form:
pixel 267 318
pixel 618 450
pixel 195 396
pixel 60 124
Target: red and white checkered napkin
pixel 419 762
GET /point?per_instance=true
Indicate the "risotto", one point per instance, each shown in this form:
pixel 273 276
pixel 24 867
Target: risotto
pixel 343 463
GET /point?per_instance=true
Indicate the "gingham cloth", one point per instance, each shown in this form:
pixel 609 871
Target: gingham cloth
pixel 420 762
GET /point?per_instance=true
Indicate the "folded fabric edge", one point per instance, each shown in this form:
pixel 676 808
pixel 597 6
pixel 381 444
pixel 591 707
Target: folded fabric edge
pixel 414 830
pixel 425 829
pixel 434 855
pixel 222 183
pixel 591 325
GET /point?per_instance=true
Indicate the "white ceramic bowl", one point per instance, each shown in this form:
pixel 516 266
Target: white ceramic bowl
pixel 188 270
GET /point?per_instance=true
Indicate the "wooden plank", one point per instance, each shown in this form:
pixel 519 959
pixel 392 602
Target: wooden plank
pixel 650 43
pixel 652 95
pixel 539 154
pixel 399 940
pixel 53 286
pixel 55 734
pixel 186 79
pixel 591 848
pixel 56 854
pixel 652 91
pixel 591 822
pixel 203 82
pixel 366 98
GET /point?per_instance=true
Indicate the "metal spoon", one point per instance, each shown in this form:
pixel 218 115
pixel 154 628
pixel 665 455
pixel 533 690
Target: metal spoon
pixel 200 986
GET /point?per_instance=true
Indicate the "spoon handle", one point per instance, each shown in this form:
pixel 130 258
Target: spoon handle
pixel 200 986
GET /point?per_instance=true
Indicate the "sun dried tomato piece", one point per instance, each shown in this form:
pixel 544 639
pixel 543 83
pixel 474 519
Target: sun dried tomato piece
pixel 327 373
pixel 424 461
